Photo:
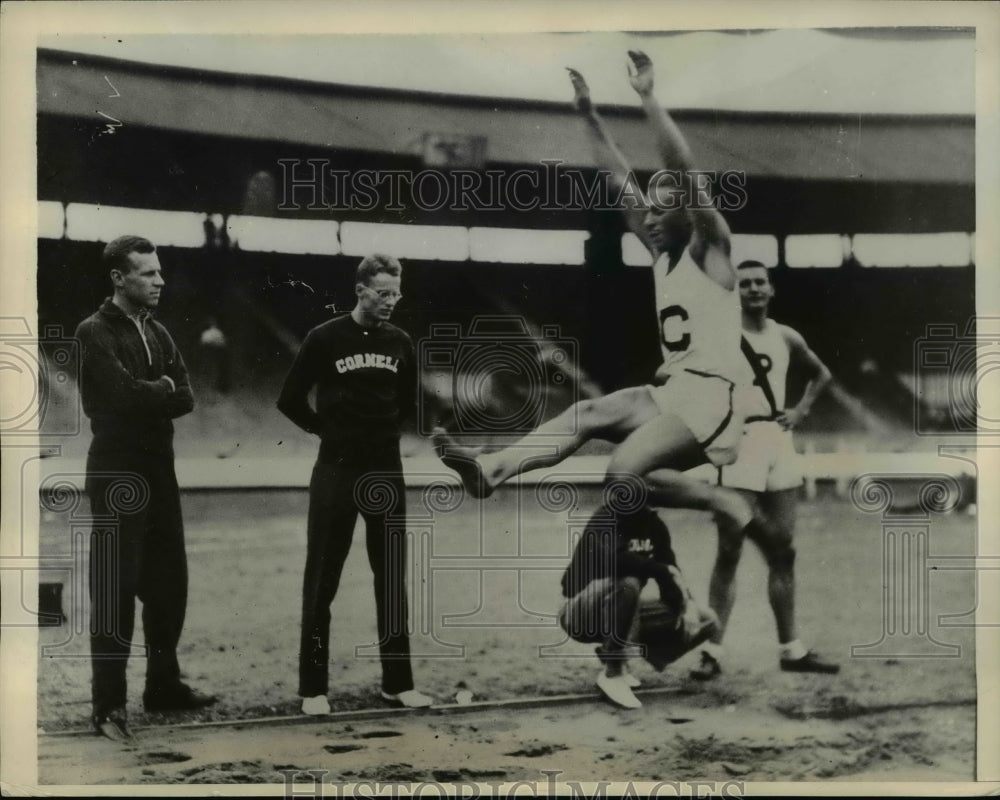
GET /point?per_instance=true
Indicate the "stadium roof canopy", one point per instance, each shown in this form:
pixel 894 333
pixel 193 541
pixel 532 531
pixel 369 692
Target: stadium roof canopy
pixel 896 70
pixel 816 111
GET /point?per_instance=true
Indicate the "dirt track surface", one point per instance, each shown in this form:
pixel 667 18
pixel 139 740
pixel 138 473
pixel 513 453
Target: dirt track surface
pixel 881 718
pixel 669 739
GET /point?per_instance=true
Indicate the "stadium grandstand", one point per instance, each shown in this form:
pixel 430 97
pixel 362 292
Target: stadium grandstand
pixel 866 221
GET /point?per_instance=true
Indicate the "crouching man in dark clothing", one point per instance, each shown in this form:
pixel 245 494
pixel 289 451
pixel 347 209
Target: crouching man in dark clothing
pixel 612 562
pixel 133 383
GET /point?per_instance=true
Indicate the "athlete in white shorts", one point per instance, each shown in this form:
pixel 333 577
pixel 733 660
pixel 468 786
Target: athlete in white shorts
pixel 693 414
pixel 767 473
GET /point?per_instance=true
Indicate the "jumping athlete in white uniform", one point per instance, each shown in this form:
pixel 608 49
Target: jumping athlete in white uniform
pixel 767 473
pixel 699 337
pixel 692 415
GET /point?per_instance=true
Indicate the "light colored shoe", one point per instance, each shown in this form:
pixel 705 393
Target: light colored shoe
pixel 631 681
pixel 411 698
pixel 617 691
pixel 315 706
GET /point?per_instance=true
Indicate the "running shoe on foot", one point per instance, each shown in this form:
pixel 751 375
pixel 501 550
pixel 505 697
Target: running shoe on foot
pixel 617 691
pixel 316 706
pixel 176 697
pixel 810 662
pixel 113 725
pixel 411 698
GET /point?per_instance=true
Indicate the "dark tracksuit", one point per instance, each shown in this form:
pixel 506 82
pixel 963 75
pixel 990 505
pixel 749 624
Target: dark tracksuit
pixel 366 382
pixel 602 606
pixel 137 541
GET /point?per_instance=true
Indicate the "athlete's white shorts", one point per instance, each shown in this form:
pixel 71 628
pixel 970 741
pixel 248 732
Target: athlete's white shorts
pixel 767 460
pixel 709 406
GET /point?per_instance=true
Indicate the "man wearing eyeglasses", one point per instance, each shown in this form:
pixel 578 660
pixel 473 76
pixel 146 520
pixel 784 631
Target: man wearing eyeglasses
pixel 364 371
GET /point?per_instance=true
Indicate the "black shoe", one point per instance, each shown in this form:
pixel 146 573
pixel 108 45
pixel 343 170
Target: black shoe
pixel 113 725
pixel 708 669
pixel 176 698
pixel 463 461
pixel 810 662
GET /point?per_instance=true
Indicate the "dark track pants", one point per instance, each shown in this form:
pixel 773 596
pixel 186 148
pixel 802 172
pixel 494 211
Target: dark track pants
pixel 136 550
pixel 367 481
pixel 606 611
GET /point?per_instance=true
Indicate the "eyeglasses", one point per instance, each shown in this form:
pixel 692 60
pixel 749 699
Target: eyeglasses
pixel 386 294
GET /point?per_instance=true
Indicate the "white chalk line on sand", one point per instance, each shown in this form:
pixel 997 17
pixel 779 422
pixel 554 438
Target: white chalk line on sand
pixel 387 713
pixel 445 709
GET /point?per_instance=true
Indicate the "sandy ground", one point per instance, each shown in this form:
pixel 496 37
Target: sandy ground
pixel 488 579
pixel 669 739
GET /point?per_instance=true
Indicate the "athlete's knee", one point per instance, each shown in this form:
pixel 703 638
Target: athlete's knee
pixel 729 508
pixel 775 543
pixel 780 555
pixel 729 550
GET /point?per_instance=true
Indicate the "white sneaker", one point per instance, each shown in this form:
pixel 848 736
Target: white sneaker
pixel 631 681
pixel 617 691
pixel 411 698
pixel 315 706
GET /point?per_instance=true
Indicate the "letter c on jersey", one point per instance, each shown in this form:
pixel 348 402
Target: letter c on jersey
pixel 673 331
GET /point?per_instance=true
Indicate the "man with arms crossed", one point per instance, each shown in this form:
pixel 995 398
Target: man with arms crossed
pixel 364 371
pixel 133 383
pixel 767 474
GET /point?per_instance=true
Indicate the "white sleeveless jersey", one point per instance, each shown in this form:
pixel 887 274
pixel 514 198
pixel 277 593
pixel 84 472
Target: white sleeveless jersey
pixel 772 356
pixel 699 321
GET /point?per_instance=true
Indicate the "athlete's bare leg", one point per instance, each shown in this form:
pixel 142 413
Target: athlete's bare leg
pixel 775 542
pixel 772 532
pixel 611 417
pixel 722 585
pixel 660 451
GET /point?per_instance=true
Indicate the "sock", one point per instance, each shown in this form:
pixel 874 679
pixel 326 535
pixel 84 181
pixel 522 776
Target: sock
pixel 793 650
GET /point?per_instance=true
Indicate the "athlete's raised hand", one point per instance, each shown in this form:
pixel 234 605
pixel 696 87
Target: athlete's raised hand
pixel 640 71
pixel 581 92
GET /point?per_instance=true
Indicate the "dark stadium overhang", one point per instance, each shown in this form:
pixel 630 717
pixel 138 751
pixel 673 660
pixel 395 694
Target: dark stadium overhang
pixel 809 147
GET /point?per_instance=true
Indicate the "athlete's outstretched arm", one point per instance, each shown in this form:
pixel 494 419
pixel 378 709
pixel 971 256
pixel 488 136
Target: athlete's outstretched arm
pixel 610 158
pixel 819 377
pixel 711 245
pixel 671 144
